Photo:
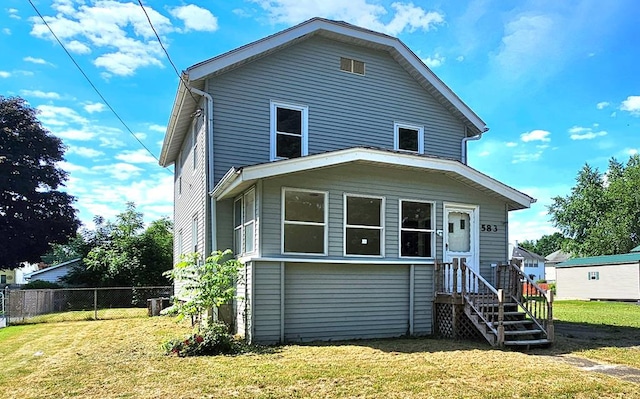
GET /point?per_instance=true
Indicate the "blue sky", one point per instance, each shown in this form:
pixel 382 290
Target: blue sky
pixel 557 82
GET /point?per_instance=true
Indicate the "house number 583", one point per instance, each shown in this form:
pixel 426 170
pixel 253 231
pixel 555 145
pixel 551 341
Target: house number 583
pixel 491 228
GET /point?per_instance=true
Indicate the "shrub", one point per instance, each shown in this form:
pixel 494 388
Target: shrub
pixel 40 285
pixel 213 339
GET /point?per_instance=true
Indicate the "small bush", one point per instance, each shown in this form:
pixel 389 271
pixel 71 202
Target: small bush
pixel 40 285
pixel 210 340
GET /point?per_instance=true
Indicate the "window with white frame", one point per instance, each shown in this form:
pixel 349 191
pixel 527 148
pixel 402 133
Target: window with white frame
pixel 408 138
pixel 178 167
pixel 594 275
pixel 304 221
pixel 244 221
pixel 417 229
pixel 179 243
pixel 364 225
pixel 194 234
pixel 194 140
pixel 289 131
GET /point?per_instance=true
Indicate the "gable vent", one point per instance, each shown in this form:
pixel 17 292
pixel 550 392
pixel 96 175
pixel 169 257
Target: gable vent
pixel 350 65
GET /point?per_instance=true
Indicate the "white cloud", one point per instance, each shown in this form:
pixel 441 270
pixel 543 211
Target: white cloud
pixel 196 18
pixel 118 32
pixel 585 133
pixel 13 13
pixel 120 171
pixel 528 156
pixel 72 167
pixel 110 142
pixel 535 135
pixel 511 144
pixel 59 116
pixel 34 60
pixel 75 134
pixel 460 58
pixel 602 105
pixel 40 94
pixel 406 16
pixel 435 61
pixel 6 31
pixel 5 74
pixel 632 105
pixel 631 151
pixel 158 128
pixel 94 107
pixel 84 151
pixel 136 156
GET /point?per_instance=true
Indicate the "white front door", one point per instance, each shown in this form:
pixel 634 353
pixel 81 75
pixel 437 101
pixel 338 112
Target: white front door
pixel 461 235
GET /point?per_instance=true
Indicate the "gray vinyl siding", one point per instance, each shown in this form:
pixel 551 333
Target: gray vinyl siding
pixel 266 302
pixel 423 294
pixel 345 109
pixel 393 184
pixel 620 282
pixel 338 302
pixel 191 202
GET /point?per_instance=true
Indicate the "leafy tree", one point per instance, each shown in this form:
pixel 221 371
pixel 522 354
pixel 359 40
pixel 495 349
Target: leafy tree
pixel 601 216
pixel 77 247
pixel 544 246
pixel 124 253
pixel 33 212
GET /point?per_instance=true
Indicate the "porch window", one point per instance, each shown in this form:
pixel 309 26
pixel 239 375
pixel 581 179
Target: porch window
pixel 304 222
pixel 289 131
pixel 416 229
pixel 364 225
pixel 244 221
pixel 409 138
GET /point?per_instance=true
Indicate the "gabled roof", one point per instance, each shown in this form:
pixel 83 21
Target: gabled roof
pixel 184 105
pixel 238 179
pixel 54 267
pixel 557 256
pixel 519 252
pixel 636 249
pixel 604 260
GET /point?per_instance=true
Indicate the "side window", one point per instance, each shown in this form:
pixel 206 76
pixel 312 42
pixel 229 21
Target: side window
pixel 194 140
pixel 594 275
pixel 417 229
pixel 179 243
pixel 304 221
pixel 408 138
pixel 244 222
pixel 194 234
pixel 289 131
pixel 364 225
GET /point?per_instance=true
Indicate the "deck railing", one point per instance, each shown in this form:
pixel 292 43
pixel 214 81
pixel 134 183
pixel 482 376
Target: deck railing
pixel 536 302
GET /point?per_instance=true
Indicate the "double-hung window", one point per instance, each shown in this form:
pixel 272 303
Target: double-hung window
pixel 304 221
pixel 364 225
pixel 244 221
pixel 408 138
pixel 289 131
pixel 416 229
pixel 194 233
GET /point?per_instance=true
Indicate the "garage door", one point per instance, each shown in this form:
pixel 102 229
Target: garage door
pixel 336 302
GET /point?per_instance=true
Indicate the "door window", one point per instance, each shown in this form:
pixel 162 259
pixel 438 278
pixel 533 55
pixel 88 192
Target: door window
pixel 459 236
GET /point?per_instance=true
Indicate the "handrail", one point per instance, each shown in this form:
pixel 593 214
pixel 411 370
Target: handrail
pixel 539 306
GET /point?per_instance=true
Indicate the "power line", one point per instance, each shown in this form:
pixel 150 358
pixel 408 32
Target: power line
pixel 166 52
pixel 104 100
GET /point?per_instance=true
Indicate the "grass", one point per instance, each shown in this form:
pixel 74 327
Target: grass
pixel 80 315
pixel 123 359
pixel 602 331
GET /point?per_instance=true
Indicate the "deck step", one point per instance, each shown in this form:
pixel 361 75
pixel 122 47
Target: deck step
pixel 513 322
pixel 528 342
pixel 522 332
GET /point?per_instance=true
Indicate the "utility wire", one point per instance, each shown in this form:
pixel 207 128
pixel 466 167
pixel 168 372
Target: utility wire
pixel 167 53
pixel 104 100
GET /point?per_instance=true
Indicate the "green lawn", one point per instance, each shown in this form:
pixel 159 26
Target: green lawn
pixel 122 359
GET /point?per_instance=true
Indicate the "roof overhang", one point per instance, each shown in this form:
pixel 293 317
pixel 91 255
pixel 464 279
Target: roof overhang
pixel 237 180
pixel 194 76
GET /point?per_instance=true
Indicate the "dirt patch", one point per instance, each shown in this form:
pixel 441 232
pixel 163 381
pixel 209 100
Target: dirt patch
pixel 622 372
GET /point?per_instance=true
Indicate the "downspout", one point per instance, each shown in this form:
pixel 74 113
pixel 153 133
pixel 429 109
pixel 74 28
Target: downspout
pixel 208 143
pixel 467 139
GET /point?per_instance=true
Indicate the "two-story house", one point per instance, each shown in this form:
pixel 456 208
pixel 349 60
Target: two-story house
pixel 333 162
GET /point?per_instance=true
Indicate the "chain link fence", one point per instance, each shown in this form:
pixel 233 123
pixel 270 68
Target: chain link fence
pixel 67 304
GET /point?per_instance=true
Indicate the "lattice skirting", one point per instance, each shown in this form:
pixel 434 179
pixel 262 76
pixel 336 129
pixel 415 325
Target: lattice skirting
pixel 452 322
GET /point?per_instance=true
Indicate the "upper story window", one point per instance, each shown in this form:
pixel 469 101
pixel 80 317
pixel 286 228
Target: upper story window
pixel 289 130
pixel 408 138
pixel 350 65
pixel 245 222
pixel 304 221
pixel 364 225
pixel 416 229
pixel 194 233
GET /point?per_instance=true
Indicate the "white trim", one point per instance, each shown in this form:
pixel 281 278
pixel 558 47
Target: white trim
pixel 474 235
pixel 233 178
pixel 350 261
pixel 412 283
pixel 381 228
pixel 304 129
pixel 282 300
pixel 396 136
pixel 325 224
pixel 241 250
pixel 432 230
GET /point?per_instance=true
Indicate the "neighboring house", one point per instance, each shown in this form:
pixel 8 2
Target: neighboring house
pixel 53 273
pixel 7 277
pixel 532 264
pixel 550 263
pixel 608 277
pixel 334 163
